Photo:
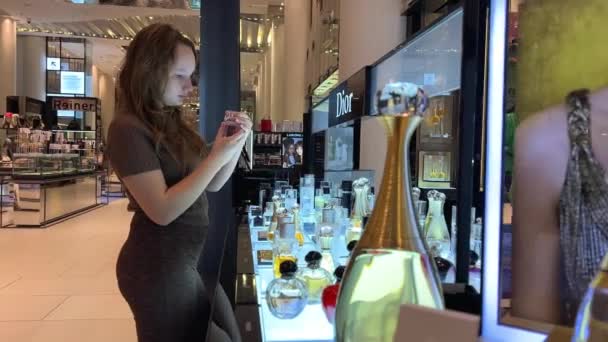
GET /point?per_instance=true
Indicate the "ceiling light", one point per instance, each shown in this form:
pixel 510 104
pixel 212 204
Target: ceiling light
pixel 150 18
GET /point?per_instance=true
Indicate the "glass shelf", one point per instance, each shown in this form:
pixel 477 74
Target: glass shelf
pixel 311 324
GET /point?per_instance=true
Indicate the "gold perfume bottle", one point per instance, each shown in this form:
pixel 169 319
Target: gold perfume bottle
pixel 390 265
pixel 592 318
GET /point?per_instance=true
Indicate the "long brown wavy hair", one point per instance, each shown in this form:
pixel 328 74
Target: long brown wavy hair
pixel 142 81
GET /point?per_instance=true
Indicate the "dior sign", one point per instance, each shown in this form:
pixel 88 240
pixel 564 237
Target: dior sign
pixel 347 102
pixel 344 103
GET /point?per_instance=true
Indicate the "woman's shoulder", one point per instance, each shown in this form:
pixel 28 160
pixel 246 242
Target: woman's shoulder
pixel 542 146
pixel 123 123
pixel 545 129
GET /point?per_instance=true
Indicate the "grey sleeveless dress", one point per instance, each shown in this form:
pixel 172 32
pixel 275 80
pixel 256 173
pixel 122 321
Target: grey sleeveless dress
pixel 583 209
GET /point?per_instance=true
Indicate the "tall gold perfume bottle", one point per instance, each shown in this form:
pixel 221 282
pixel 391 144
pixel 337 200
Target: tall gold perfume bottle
pixel 592 318
pixel 390 265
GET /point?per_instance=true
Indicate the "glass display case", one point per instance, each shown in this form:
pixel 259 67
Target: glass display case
pixel 433 61
pixel 44 165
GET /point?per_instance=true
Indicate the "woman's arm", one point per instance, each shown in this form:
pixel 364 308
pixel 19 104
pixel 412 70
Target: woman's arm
pixel 228 169
pixel 135 161
pixel 162 204
pixel 222 176
pixel 538 175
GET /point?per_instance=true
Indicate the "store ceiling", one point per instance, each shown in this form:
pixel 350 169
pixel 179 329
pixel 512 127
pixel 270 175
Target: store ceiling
pixel 110 28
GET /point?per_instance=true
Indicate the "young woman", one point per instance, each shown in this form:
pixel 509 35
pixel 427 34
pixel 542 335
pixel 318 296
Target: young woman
pixel 166 168
pixel 560 207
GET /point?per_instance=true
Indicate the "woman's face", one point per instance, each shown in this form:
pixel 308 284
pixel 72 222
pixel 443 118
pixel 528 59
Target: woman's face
pixel 179 84
pixel 292 149
pixel 300 150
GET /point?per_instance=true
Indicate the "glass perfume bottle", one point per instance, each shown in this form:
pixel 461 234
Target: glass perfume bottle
pixel 325 238
pixel 297 221
pixel 476 241
pixel 307 194
pixel 390 265
pixel 346 196
pixel 268 213
pixel 415 194
pixel 286 296
pixel 315 277
pixel 279 210
pixel 371 199
pixel 284 247
pixel 454 232
pixel 281 216
pixel 592 319
pixel 436 230
pixel 319 200
pixel 291 198
pixel 354 230
pixel 361 205
pixel 329 297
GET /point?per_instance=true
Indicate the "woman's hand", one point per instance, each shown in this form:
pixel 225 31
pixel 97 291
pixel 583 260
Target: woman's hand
pixel 225 146
pixel 243 121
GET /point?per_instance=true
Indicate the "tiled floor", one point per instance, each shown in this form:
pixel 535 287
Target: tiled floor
pixel 58 284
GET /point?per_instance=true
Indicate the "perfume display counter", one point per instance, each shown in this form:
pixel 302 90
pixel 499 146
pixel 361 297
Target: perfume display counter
pixel 254 274
pixel 36 201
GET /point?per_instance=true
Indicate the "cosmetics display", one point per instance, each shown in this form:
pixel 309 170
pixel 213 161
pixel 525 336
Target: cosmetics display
pixel 278 149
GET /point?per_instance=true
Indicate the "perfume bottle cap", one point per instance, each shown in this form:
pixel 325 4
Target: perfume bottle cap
pixel 287 231
pixel 339 273
pixel 351 245
pixel 288 268
pixel 313 258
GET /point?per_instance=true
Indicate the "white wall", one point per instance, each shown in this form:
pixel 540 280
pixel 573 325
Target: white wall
pixel 368 30
pixel 95 73
pixel 106 89
pixel 277 79
pixel 31 67
pixel 296 39
pixel 8 60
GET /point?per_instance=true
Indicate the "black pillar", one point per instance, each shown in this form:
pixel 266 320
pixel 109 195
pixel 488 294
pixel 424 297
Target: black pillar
pixel 219 86
pixel 471 107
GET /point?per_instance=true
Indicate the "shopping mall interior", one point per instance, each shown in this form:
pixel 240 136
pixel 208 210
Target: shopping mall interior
pixel 411 164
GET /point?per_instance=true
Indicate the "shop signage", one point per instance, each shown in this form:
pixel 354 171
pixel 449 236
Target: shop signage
pixel 52 63
pixel 80 104
pixel 349 100
pixel 344 103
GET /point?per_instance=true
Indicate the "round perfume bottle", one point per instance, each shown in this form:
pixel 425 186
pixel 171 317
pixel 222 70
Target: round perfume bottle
pixel 315 277
pixel 286 296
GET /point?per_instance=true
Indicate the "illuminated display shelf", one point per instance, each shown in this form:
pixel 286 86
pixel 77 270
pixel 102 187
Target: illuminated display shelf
pixel 311 324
